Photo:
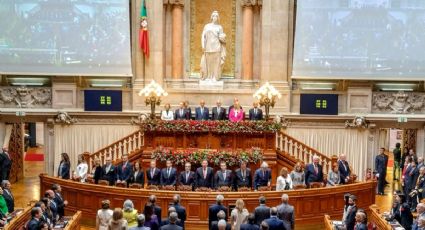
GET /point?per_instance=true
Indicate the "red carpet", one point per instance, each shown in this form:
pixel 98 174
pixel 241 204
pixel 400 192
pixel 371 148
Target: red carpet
pixel 34 157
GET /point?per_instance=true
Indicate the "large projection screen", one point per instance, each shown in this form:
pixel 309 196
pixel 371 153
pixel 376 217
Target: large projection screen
pixel 65 37
pixel 360 39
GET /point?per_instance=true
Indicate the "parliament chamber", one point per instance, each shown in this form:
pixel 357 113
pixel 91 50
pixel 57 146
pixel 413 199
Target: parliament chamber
pixel 282 114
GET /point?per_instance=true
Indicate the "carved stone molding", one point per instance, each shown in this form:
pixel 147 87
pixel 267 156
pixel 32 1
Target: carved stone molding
pixel 25 97
pixel 64 118
pixel 398 103
pixel 358 122
pixel 175 2
pixel 140 118
pixel 248 3
pixel 51 126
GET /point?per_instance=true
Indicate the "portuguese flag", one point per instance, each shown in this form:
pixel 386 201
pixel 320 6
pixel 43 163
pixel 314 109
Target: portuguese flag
pixel 143 32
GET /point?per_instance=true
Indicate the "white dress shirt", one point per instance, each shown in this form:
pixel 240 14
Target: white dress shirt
pixel 167 115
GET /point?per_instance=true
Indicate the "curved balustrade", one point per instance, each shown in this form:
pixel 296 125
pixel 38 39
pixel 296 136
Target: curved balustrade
pixel 310 204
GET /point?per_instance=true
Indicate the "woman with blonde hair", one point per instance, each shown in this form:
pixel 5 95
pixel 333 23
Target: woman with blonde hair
pixel 284 181
pixel 117 222
pixel 236 113
pixel 130 214
pixel 297 175
pixel 239 215
pixel 81 170
pixel 333 176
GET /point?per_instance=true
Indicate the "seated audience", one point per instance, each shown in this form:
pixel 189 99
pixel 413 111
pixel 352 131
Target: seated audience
pixel 297 175
pixel 168 174
pixel 103 216
pixel 8 196
pixel 152 220
pixel 156 209
pixel 204 176
pixel 138 175
pixel 44 217
pixel 285 212
pixel 173 223
pixel 153 174
pixel 239 214
pixel 421 223
pixel 130 213
pixel 202 112
pixel 333 176
pixel 187 177
pixel 284 181
pixel 344 169
pixel 349 219
pixel 167 114
pixel 64 166
pixel 255 114
pixel 81 170
pixel 60 202
pixel 125 170
pixel 261 212
pixel 3 220
pixel 215 208
pixel 262 176
pixel 223 177
pixel 236 113
pixel 34 223
pixel 181 211
pixel 273 222
pixel 166 221
pixel 140 223
pixel 218 112
pixel 220 216
pixel 313 172
pixel 182 113
pixel 97 171
pixel 361 224
pixel 243 176
pixel 117 221
pixel 251 225
pixel 109 171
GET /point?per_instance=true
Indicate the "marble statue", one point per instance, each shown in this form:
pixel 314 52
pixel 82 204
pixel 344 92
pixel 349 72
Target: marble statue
pixel 214 51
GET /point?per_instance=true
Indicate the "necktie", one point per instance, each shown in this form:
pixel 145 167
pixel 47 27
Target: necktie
pixel 224 175
pixel 181 112
pixel 255 111
pixel 315 169
pixel 152 172
pixel 187 177
pixel 243 174
pixel 202 110
pixel 205 174
pixel 168 172
pixel 264 174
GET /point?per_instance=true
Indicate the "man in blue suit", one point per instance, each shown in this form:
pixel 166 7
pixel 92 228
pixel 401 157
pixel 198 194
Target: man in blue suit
pixel 34 223
pixel 274 222
pixel 262 176
pixel 261 212
pixel 109 171
pixel 153 174
pixel 182 113
pixel 204 176
pixel 344 169
pixel 255 114
pixel 125 169
pixel 313 172
pixel 381 170
pixel 223 177
pixel 168 174
pixel 215 208
pixel 181 211
pixel 202 113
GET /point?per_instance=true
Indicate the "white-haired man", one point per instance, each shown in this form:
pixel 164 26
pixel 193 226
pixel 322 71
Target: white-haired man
pixel 262 176
pixel 313 172
pixel 214 209
pixel 285 212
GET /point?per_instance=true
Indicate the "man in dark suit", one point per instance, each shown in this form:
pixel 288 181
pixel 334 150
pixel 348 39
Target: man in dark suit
pixel 344 169
pixel 8 196
pixel 274 222
pixel 202 112
pixel 243 177
pixel 262 176
pixel 156 209
pixel 59 200
pixel 255 114
pixel 204 176
pixel 223 177
pixel 215 208
pixel 313 172
pixel 187 177
pixel 168 174
pixel 182 113
pixel 33 224
pixel 218 112
pixel 153 174
pixel 350 220
pixel 221 216
pixel 381 170
pixel 188 109
pixel 5 163
pixel 251 225
pixel 180 210
pixel 261 212
pixel 109 172
pixel 285 212
pixel 167 220
pixel 49 194
pixel 125 169
pixel 173 223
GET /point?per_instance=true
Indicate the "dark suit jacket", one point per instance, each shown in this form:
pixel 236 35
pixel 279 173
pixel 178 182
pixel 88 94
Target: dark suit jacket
pixel 350 220
pixel 412 178
pixel 406 217
pixel 380 165
pixel 260 179
pixel 111 175
pixel 140 178
pixel 361 226
pixel 165 224
pixel 255 116
pixel 311 176
pixel 64 173
pixel 10 200
pixel 168 180
pixel 54 210
pixel 275 224
pixel 157 211
pixel 156 178
pixel 6 164
pixel 240 181
pixel 212 212
pixel 59 204
pixel 219 180
pixel 181 213
pixel 182 178
pixel 33 224
pixel 184 116
pixel 285 212
pixel 249 227
pixel 261 213
pixel 214 226
pixel 208 181
pixel 218 115
pixel 344 172
pixel 98 174
pixel 124 174
pixel 202 116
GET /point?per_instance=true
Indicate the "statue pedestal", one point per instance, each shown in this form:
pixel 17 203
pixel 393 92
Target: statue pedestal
pixel 211 85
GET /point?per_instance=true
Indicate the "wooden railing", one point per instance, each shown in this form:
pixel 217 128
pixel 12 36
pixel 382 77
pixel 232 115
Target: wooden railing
pixel 376 219
pixel 127 145
pixel 302 152
pixel 74 222
pixel 328 224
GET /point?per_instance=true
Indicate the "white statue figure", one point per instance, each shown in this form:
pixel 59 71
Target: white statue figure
pixel 213 45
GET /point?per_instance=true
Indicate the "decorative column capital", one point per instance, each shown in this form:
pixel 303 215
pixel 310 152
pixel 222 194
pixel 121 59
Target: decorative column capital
pixel 175 2
pixel 246 3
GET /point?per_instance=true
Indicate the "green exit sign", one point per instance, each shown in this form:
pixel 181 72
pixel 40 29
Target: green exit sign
pixel 402 119
pixel 321 104
pixel 105 100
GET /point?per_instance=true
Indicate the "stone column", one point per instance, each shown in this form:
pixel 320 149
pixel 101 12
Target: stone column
pixel 177 39
pixel 247 38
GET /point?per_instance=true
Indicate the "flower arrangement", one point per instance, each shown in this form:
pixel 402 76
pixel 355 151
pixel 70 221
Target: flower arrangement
pixel 214 157
pixel 191 126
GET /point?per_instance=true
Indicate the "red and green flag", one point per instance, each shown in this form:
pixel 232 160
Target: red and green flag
pixel 143 32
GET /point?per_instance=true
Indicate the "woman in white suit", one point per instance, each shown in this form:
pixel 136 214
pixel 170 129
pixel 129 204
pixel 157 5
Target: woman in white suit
pixel 167 114
pixel 81 170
